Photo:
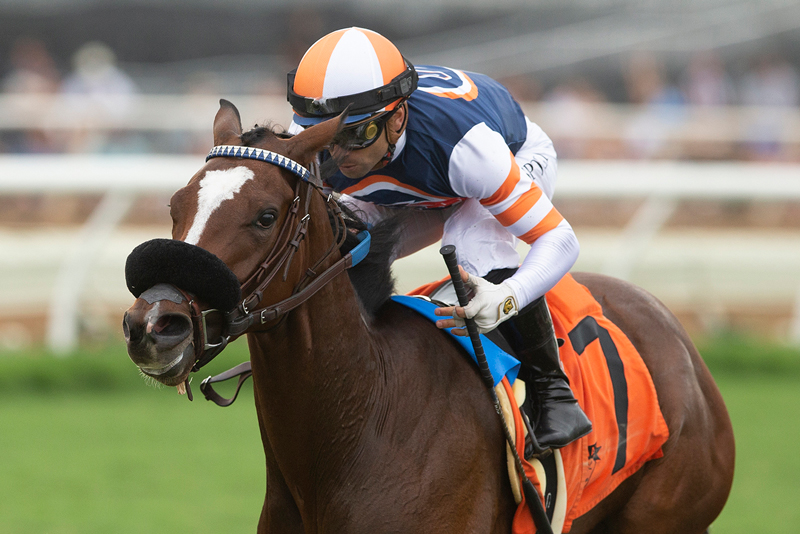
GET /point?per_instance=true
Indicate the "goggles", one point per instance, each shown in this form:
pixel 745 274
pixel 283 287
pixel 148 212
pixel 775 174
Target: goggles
pixel 364 134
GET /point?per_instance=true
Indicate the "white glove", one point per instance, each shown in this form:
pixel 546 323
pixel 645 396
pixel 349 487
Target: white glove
pixel 491 305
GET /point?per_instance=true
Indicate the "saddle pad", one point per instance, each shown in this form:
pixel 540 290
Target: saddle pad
pixel 500 362
pixel 605 372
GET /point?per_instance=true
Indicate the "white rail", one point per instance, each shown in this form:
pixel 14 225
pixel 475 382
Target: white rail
pixel 572 120
pixel 122 178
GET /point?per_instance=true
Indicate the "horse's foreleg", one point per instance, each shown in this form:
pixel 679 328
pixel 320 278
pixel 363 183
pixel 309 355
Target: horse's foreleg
pixel 280 513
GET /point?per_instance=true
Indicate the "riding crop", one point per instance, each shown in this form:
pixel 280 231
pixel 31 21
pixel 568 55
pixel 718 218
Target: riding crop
pixel 448 252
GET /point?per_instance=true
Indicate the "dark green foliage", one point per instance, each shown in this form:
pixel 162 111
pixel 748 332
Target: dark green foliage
pixel 735 354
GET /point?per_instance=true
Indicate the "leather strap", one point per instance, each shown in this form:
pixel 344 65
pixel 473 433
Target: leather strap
pixel 243 371
pixel 241 319
pixel 240 323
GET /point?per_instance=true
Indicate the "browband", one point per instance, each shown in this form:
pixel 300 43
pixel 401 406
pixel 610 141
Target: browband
pixel 230 151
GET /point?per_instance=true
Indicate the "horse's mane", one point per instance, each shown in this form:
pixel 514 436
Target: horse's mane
pixel 372 277
pixel 259 133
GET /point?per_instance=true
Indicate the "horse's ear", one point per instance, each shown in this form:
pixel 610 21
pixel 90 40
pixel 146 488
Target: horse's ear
pixel 227 124
pixel 305 145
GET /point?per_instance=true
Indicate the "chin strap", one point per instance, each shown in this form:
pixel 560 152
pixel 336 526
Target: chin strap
pixel 387 158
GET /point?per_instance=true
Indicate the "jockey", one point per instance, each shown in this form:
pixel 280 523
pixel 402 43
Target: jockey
pixel 456 147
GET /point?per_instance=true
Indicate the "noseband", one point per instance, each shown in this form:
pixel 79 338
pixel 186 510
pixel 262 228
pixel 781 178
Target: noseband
pixel 145 265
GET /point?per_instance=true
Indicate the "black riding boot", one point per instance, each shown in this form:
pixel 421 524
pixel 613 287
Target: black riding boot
pixel 532 337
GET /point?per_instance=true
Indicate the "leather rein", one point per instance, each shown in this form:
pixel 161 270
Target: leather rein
pixel 247 316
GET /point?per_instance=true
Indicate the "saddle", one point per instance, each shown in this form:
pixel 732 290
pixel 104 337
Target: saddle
pixel 445 295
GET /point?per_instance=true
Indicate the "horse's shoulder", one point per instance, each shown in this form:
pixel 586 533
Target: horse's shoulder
pixel 396 325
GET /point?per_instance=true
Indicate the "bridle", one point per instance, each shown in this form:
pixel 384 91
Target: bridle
pixel 248 316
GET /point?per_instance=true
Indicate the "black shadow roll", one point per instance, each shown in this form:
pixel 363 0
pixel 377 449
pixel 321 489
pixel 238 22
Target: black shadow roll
pixel 189 267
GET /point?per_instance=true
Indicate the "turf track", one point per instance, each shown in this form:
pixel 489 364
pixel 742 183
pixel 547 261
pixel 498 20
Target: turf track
pixel 88 447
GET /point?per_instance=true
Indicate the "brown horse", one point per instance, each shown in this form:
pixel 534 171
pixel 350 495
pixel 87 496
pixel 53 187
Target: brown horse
pixel 371 419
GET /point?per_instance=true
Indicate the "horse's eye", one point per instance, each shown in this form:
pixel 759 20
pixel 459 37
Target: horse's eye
pixel 266 219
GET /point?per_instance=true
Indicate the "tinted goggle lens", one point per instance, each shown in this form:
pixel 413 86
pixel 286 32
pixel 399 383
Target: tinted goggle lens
pixel 361 135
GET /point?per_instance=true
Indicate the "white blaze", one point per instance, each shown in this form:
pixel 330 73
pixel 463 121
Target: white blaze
pixel 215 188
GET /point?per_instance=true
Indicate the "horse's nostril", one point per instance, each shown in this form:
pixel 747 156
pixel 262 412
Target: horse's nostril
pixel 133 332
pixel 171 326
pixel 167 325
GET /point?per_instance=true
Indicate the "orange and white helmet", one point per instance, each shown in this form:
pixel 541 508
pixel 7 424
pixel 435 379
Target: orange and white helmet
pixel 350 67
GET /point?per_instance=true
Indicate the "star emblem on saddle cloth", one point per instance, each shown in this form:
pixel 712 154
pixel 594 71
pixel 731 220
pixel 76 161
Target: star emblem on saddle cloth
pixel 594 449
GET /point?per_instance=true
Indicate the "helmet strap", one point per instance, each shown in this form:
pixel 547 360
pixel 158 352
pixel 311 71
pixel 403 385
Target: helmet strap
pixel 387 158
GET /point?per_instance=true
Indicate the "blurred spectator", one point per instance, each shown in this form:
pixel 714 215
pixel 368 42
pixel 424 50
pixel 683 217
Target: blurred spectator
pixel 33 80
pixel 771 86
pixel 575 120
pixel 646 82
pixel 99 93
pixel 706 83
pixel 304 28
pixel 661 107
pixel 33 70
pixel 523 87
pixel 771 82
pixel 710 91
pixel 199 88
pixel 96 75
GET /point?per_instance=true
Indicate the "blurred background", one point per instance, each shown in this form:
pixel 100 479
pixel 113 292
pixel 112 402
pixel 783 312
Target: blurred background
pixel 677 126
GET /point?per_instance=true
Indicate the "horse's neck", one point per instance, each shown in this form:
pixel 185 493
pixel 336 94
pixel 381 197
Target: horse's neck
pixel 322 344
pixel 318 380
pixel 316 374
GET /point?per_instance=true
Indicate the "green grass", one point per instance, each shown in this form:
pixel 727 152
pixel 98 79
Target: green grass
pixel 86 446
pixel 765 411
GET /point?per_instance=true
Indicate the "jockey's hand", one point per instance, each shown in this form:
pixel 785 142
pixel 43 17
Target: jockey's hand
pixel 491 305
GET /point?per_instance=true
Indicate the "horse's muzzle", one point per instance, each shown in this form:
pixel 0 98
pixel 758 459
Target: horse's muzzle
pixel 159 333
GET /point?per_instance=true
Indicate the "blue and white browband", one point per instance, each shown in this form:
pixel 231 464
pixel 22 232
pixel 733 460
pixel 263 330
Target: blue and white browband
pixel 229 151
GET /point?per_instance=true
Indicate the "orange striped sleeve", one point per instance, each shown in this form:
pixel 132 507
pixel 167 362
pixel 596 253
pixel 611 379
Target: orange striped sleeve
pixel 519 208
pixel 550 221
pixel 507 187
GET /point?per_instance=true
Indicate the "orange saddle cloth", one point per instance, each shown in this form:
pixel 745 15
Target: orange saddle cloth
pixel 614 388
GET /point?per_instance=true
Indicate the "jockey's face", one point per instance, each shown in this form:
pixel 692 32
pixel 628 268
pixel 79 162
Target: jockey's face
pixel 356 164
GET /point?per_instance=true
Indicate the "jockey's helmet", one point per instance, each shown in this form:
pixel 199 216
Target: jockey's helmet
pixel 354 69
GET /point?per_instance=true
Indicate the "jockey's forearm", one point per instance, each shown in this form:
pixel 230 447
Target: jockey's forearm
pixel 551 256
pixel 420 229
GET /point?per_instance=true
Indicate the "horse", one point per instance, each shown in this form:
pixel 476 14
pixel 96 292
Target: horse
pixel 370 418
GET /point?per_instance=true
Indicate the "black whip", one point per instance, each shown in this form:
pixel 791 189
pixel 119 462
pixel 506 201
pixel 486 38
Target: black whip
pixel 448 252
